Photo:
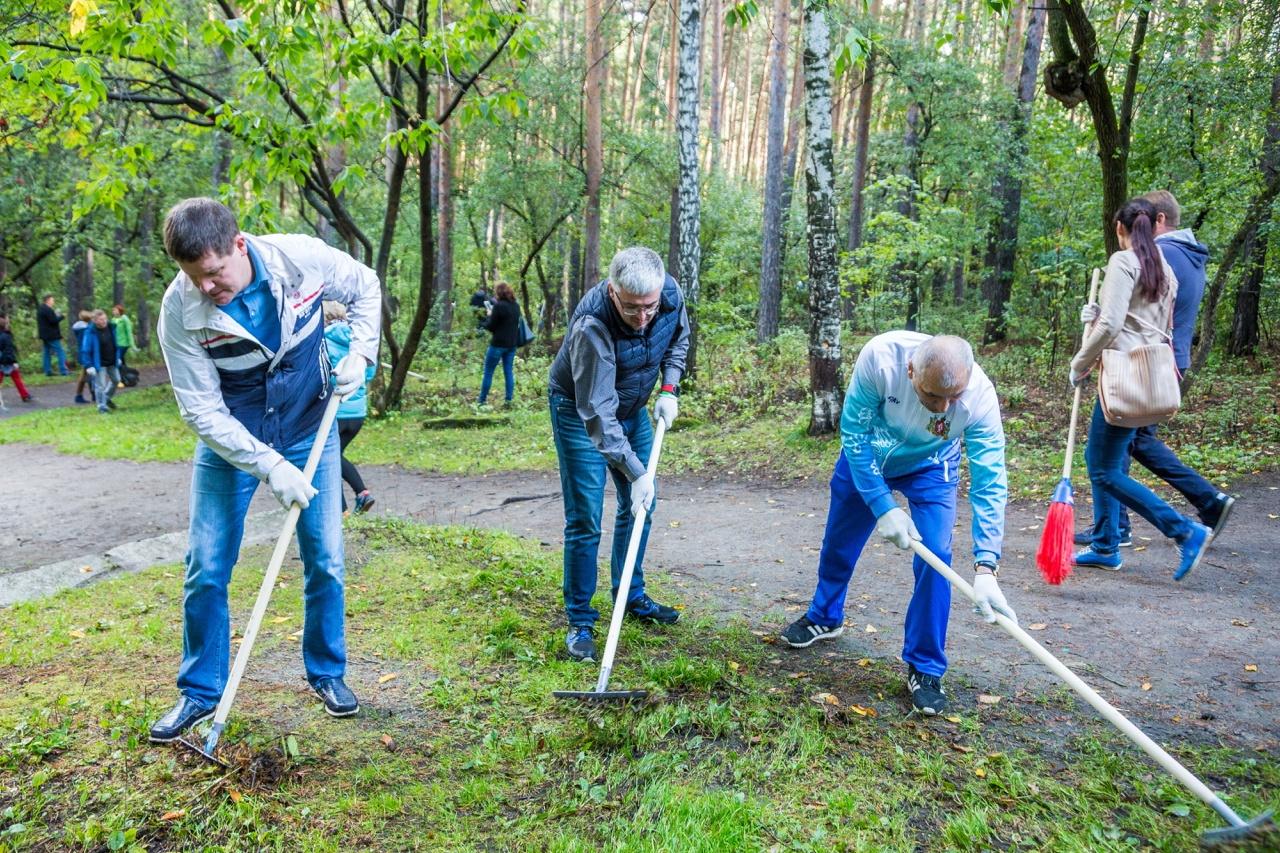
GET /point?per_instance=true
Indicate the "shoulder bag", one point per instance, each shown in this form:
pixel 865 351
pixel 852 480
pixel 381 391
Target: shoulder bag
pixel 1142 386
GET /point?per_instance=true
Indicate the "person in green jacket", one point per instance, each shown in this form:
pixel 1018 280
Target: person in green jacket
pixel 124 332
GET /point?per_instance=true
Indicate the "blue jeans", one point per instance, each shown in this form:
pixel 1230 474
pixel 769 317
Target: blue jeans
pixel 1107 457
pixel 582 473
pixel 492 356
pixel 54 348
pixel 931 495
pixel 1154 455
pixel 220 497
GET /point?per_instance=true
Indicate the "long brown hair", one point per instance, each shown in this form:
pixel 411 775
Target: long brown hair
pixel 504 292
pixel 1138 216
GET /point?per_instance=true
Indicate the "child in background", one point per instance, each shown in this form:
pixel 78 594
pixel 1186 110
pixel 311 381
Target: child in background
pixel 9 360
pixel 85 318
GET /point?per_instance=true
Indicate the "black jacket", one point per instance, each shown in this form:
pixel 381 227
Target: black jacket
pixel 504 324
pixel 48 323
pixel 8 352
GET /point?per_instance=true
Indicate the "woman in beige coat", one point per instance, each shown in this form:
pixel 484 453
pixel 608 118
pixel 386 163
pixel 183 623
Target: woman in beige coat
pixel 1134 309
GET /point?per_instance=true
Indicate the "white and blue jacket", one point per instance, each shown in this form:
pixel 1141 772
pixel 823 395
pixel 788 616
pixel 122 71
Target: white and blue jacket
pixel 242 399
pixel 887 432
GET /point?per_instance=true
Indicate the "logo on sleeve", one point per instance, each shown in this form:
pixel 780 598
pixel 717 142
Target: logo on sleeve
pixel 893 400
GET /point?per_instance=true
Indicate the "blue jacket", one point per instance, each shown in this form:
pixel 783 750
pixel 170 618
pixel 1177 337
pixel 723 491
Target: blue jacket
pixel 1187 259
pixel 91 351
pixel 337 340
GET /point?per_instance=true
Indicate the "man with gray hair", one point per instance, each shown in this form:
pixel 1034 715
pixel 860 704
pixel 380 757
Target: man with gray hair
pixel 626 331
pixel 912 400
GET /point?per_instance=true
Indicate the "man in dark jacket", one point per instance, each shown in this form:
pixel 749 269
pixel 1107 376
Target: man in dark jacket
pixel 624 333
pixel 1187 258
pixel 49 328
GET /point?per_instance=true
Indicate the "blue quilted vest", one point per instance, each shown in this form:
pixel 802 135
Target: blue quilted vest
pixel 638 352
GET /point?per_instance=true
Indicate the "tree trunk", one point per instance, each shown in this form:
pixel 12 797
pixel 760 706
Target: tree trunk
pixel 716 11
pixel 146 270
pixel 118 240
pixel 771 238
pixel 905 273
pixel 444 207
pixel 595 142
pixel 790 151
pixel 1002 241
pixel 862 143
pixel 689 87
pixel 824 285
pixel 78 278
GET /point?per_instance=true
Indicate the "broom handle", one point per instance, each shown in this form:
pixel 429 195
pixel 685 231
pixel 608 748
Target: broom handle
pixel 273 569
pixel 1102 706
pixel 628 567
pixel 1075 403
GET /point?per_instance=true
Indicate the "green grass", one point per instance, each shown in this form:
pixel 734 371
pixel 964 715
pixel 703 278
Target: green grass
pixel 745 415
pixel 464 748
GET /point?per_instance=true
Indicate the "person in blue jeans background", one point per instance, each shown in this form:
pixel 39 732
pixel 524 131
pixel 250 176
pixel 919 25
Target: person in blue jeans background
pixel 1186 257
pixel 354 407
pixel 49 329
pixel 242 333
pixel 1135 307
pixel 100 356
pixel 912 400
pixel 625 332
pixel 503 325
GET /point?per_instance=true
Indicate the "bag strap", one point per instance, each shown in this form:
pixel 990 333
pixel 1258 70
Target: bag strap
pixel 1168 335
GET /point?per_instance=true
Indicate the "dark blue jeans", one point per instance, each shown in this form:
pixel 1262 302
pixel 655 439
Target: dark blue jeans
pixel 1107 457
pixel 582 473
pixel 54 348
pixel 1154 455
pixel 492 356
pixel 931 494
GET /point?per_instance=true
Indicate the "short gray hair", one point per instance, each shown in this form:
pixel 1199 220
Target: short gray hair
pixel 638 271
pixel 197 226
pixel 947 357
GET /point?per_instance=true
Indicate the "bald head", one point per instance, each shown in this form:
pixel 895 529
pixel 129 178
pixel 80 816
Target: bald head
pixel 940 369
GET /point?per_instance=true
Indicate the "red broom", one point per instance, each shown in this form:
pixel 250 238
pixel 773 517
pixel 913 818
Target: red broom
pixel 1054 555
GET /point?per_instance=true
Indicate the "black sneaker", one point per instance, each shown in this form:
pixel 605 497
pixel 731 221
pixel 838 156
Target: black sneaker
pixel 580 643
pixel 1126 539
pixel 927 695
pixel 183 716
pixel 338 699
pixel 111 404
pixel 1218 520
pixel 804 632
pixel 646 609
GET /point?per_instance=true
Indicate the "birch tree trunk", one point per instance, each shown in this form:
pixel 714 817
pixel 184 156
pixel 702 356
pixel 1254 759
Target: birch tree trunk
pixel 862 142
pixel 689 86
pixel 824 284
pixel 444 212
pixel 771 254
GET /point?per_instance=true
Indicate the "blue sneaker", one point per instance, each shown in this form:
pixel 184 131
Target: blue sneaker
pixel 1192 548
pixel 646 609
pixel 1126 539
pixel 1092 559
pixel 580 643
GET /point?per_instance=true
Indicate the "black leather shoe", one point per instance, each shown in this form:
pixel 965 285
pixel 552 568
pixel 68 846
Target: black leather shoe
pixel 339 701
pixel 183 716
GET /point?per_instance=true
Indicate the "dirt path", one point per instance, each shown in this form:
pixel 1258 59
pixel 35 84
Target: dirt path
pixel 736 549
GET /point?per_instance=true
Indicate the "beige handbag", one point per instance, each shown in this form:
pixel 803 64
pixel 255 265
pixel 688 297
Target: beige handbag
pixel 1142 386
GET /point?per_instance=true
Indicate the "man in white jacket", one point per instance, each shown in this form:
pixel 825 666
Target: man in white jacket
pixel 912 401
pixel 242 333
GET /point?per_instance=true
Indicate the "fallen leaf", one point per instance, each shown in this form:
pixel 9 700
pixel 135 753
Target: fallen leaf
pixel 988 699
pixel 1037 626
pixel 979 772
pixel 88 569
pixel 1240 623
pixel 674 524
pixel 825 699
pixel 952 718
pixel 862 711
pixel 1251 667
pixel 279 620
pixel 1272 515
pixel 235 795
pixel 77 633
pixel 864 662
pixel 1146 685
pixel 388 741
pixel 734 665
pixel 1139 548
pixel 174 815
pixel 959 747
pixel 296 634
pixel 383 679
pixel 870 629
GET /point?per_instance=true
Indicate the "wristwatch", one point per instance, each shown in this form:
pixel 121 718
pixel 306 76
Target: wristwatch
pixel 986 567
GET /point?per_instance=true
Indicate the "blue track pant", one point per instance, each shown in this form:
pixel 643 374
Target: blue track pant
pixel 931 495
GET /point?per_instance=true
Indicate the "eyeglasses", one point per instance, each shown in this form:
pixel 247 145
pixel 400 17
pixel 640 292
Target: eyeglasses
pixel 627 309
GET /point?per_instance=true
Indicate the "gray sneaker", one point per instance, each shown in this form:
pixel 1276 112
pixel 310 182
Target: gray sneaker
pixel 580 643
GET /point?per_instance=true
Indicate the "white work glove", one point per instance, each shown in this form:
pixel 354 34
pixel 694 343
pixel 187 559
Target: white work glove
pixel 896 526
pixel 91 371
pixel 666 408
pixel 348 374
pixel 290 485
pixel 1076 380
pixel 642 493
pixel 989 600
pixel 1090 312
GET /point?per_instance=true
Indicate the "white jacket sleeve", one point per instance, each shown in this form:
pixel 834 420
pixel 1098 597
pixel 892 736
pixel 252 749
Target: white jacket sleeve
pixel 199 394
pixel 354 285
